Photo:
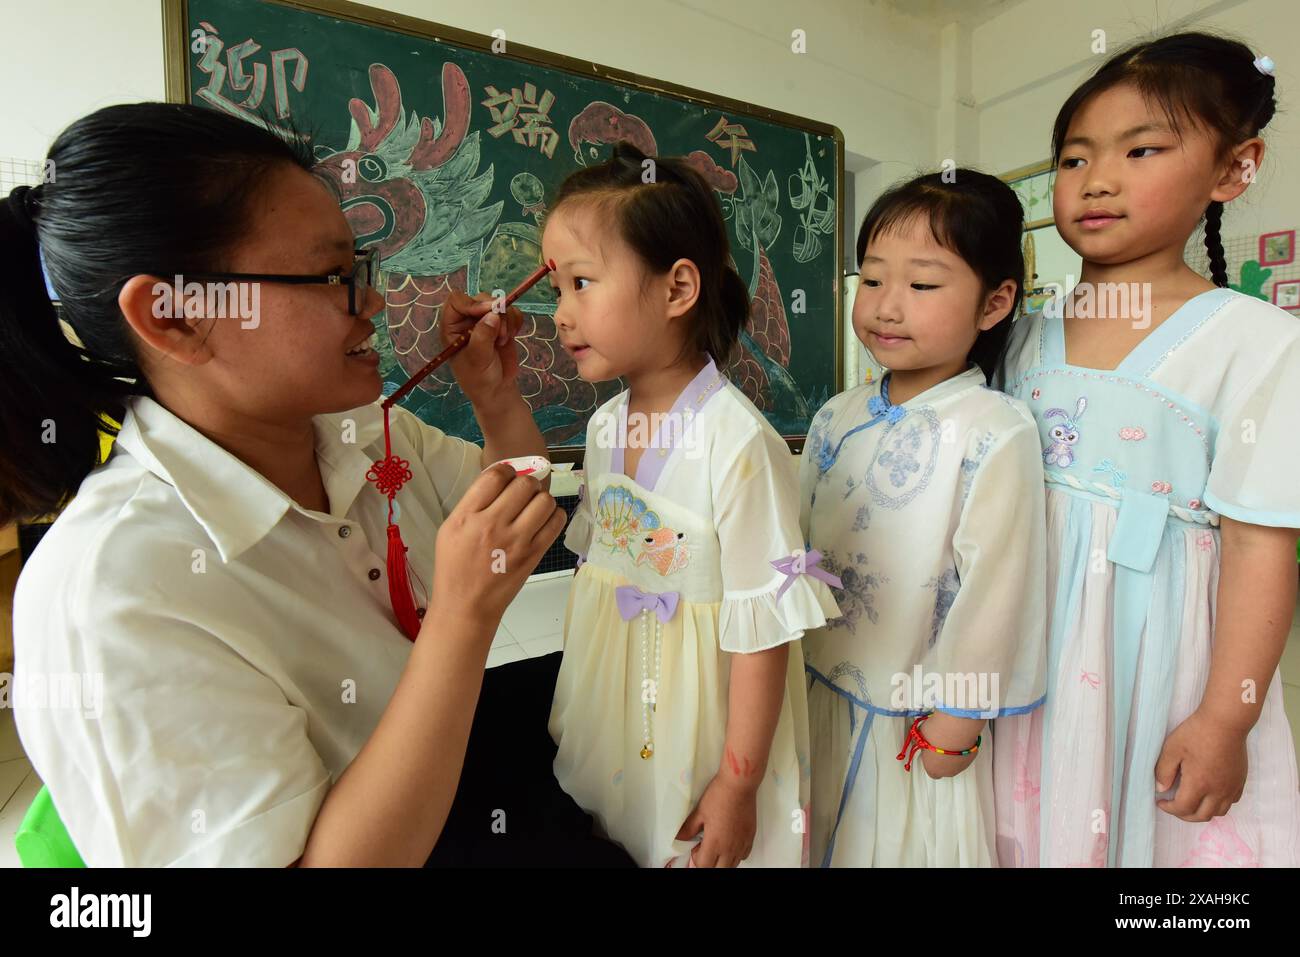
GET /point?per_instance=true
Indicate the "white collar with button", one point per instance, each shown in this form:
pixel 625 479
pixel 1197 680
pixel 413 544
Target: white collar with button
pixel 236 505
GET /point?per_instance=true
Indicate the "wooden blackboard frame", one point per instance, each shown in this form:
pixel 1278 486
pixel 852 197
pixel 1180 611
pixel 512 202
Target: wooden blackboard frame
pixel 176 39
pixel 1031 171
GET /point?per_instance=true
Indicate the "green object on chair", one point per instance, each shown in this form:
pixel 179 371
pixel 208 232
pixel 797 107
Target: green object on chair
pixel 42 840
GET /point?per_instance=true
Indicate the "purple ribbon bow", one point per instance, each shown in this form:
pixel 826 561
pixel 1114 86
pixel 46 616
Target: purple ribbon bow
pixel 808 565
pixel 632 600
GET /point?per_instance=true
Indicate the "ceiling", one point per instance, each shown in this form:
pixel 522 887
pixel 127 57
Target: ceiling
pixel 941 12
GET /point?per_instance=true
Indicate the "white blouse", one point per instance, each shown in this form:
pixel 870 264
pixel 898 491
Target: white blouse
pixel 245 646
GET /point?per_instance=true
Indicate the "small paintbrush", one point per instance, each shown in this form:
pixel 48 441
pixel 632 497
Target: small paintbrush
pixel 462 340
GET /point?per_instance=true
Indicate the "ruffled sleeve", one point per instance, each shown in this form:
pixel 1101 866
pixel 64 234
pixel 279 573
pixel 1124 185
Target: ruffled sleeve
pixel 1255 472
pixel 756 512
pixel 992 642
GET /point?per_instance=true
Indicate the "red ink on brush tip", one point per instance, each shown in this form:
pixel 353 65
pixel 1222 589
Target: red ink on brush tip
pixel 530 280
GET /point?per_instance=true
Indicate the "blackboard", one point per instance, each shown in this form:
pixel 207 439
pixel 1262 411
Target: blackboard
pixel 453 150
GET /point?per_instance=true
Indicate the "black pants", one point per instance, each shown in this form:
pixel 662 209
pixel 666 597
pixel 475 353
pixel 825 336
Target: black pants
pixel 509 810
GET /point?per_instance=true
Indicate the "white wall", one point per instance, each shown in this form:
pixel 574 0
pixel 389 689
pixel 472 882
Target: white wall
pixel 867 69
pixel 75 56
pixel 906 93
pixel 1029 59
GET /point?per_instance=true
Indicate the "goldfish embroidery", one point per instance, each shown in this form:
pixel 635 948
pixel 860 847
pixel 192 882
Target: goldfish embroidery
pixel 664 549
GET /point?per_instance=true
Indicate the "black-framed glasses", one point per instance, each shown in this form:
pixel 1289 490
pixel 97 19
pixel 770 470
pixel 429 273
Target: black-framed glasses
pixel 363 277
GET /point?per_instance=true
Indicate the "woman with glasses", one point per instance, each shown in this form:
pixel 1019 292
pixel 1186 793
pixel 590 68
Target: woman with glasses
pixel 216 592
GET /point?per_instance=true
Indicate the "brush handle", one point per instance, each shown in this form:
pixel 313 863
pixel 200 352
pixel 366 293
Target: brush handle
pixel 462 340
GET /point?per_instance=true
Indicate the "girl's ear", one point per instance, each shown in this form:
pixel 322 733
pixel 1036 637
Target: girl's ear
pixel 683 287
pixel 997 305
pixel 173 326
pixel 1241 170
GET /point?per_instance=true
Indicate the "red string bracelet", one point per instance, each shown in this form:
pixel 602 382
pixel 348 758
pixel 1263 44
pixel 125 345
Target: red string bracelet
pixel 391 472
pixel 916 741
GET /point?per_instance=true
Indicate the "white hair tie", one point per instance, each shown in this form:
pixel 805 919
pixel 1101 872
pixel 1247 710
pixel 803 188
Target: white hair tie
pixel 1264 64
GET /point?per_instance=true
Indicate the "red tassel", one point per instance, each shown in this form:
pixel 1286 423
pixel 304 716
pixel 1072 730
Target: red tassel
pixel 400 592
pixel 389 475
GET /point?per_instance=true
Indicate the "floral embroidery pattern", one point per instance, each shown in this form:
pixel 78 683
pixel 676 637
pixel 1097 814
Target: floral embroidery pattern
pixel 1132 433
pixel 900 459
pixel 945 592
pixel 1036 394
pixel 1090 678
pixel 622 519
pixel 970 465
pixel 1205 541
pixel 1161 488
pixel 858 688
pixel 905 459
pixel 858 596
pixel 818 445
pixel 1194 503
pixel 862 519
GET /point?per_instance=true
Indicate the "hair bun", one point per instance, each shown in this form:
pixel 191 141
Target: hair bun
pixel 625 151
pixel 23 202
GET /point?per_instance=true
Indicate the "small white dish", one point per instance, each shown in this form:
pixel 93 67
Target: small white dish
pixel 533 465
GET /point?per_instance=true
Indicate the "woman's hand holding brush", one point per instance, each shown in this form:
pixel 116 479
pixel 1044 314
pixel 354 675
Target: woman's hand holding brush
pixel 486 365
pixel 491 541
pixel 489 364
